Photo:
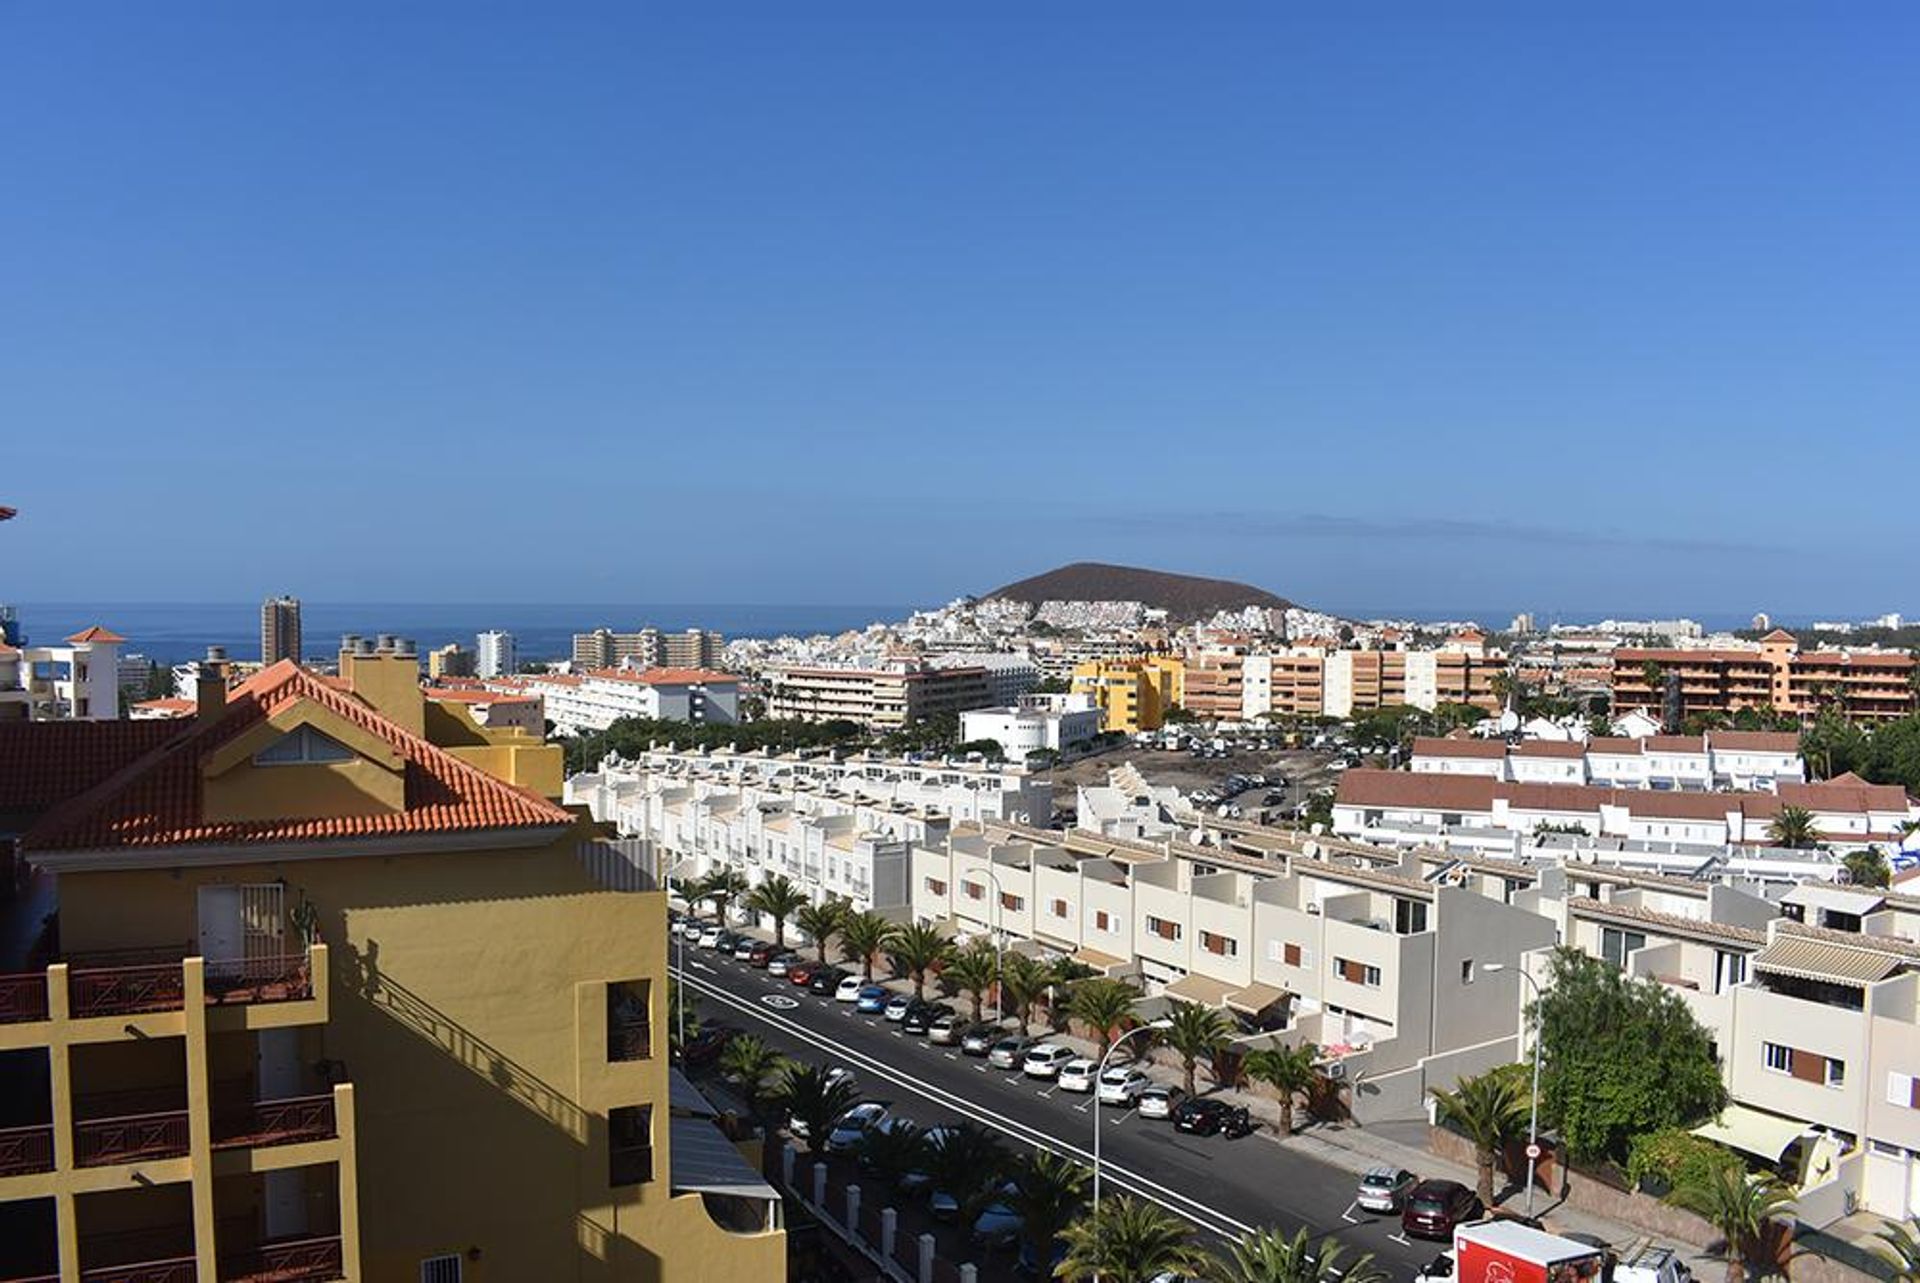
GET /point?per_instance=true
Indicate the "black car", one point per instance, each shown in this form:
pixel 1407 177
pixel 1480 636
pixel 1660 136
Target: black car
pixel 1435 1207
pixel 1204 1116
pixel 825 980
pixel 921 1015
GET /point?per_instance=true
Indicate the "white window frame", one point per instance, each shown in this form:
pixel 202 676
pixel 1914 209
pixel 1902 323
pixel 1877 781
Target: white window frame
pixel 1768 1056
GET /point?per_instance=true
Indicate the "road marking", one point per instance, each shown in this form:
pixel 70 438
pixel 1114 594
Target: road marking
pixel 778 1001
pixel 1193 1209
pixel 1348 1215
pixel 698 965
pixel 1080 1109
pixel 1401 1238
pixel 951 1056
pixel 1015 1080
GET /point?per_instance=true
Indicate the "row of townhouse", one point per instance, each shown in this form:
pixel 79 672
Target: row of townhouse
pixel 1428 807
pixel 1745 760
pixel 1381 968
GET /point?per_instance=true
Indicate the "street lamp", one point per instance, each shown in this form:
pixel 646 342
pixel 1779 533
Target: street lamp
pixel 680 960
pixel 1533 1123
pixel 1151 1026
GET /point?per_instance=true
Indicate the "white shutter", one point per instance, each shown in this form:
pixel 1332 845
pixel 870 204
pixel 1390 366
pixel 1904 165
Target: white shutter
pixel 1900 1090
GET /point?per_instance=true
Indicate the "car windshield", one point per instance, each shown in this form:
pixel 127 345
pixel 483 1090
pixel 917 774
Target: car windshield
pixel 1430 1202
pixel 1380 1180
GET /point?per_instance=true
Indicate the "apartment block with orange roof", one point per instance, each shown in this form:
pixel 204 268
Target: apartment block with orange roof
pixel 1772 674
pixel 78 679
pixel 335 989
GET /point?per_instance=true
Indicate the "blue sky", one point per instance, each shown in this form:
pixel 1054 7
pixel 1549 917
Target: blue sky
pixel 1378 306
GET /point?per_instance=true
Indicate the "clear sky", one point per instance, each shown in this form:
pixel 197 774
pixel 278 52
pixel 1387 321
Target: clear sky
pixel 1381 306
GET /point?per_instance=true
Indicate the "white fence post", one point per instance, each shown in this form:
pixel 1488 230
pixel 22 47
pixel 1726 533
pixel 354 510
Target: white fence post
pixel 853 1210
pixel 926 1258
pixel 969 1273
pixel 819 1184
pixel 889 1229
pixel 787 1156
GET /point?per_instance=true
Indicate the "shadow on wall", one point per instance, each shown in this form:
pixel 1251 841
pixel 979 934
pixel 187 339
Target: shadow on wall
pixel 362 975
pixel 607 1255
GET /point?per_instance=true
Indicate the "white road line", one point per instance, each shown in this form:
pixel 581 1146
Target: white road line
pixel 1193 1209
pixel 1348 1215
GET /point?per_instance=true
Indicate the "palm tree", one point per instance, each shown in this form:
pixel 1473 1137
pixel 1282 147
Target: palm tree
pixel 750 1062
pixel 973 971
pixel 1048 1192
pixel 891 1152
pixel 1021 981
pixel 1290 1071
pixel 1196 1031
pixel 1105 1007
pixel 1866 867
pixel 820 921
pixel 916 950
pixel 1130 1241
pixel 1752 1215
pixel 968 1163
pixel 1794 827
pixel 723 886
pixel 816 1101
pixel 861 936
pixel 779 899
pixel 1269 1256
pixel 1490 1110
pixel 1901 1248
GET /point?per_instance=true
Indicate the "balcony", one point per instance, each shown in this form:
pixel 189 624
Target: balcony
pixel 23 997
pixel 130 1138
pixel 281 978
pixel 304 1260
pixel 26 1150
pixel 125 984
pixel 289 1121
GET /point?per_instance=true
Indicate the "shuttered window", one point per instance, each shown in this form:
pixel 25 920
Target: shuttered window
pixel 440 1269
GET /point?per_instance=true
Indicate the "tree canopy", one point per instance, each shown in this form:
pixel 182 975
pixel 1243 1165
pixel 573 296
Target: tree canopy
pixel 631 736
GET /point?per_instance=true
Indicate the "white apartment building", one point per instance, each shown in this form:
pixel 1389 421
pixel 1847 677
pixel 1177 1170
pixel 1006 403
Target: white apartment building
pixel 1060 723
pixel 580 702
pixel 524 711
pixel 1010 674
pixel 496 654
pixel 1736 760
pixel 885 696
pixel 79 679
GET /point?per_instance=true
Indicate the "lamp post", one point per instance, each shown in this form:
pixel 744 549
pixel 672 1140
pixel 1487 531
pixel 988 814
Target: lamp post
pixel 1150 1027
pixel 680 957
pixel 1533 1122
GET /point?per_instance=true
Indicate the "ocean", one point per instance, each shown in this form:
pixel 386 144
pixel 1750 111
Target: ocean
pixel 172 633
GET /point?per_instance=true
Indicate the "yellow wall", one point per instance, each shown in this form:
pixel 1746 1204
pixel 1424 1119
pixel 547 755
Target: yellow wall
pixel 1133 694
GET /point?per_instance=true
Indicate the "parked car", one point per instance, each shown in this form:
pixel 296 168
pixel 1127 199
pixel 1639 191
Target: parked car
pixel 1204 1116
pixel 978 1040
pixel 999 1225
pixel 704 1048
pixel 1044 1061
pixel 825 980
pixel 871 1000
pixel 710 936
pixel 743 947
pixel 1010 1051
pixel 1651 1264
pixel 920 1178
pixel 798 1126
pixel 1385 1189
pixel 897 1007
pixel 1077 1074
pixel 691 929
pixel 848 990
pixel 854 1124
pixel 1123 1085
pixel 762 954
pixel 1159 1102
pixel 891 1124
pixel 945 1030
pixel 781 963
pixel 801 972
pixel 921 1015
pixel 1434 1207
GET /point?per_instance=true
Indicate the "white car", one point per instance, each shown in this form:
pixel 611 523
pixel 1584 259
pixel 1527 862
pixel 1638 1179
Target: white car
pixel 854 1124
pixel 1046 1060
pixel 849 989
pixel 710 937
pixel 1122 1085
pixel 1077 1075
pixel 897 1007
pixel 1158 1102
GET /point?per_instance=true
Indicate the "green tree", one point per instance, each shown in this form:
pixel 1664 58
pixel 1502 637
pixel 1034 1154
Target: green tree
pixel 816 1102
pixel 820 921
pixel 1021 981
pixel 1269 1256
pixel 748 1061
pixel 891 1152
pixel 972 972
pixel 1752 1214
pixel 1105 1007
pixel 1866 867
pixel 1290 1071
pixel 916 950
pixel 1196 1032
pixel 1489 1109
pixel 1048 1192
pixel 1794 826
pixel 862 935
pixel 969 1163
pixel 1129 1241
pixel 1619 1057
pixel 720 888
pixel 778 899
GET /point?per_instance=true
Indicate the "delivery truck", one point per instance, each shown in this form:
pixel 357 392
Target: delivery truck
pixel 1510 1252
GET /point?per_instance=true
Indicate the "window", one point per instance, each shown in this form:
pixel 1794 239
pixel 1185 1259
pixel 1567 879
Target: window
pixel 1466 971
pixel 1836 1072
pixel 1011 902
pixel 1295 956
pixel 974 890
pixel 1164 929
pixel 1060 909
pixel 1409 917
pixel 1616 944
pixel 1224 946
pixel 1357 973
pixel 936 887
pixel 440 1269
pixel 1778 1058
pixel 1103 921
pixel 630 1145
pixel 629 1020
pixel 1729 970
pixel 1903 1090
pixel 303 746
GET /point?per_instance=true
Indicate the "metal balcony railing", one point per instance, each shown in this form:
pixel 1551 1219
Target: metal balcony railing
pixel 278 978
pixel 286 1121
pixel 179 1269
pixel 23 997
pixel 24 1150
pixel 99 988
pixel 306 1260
pixel 99 1142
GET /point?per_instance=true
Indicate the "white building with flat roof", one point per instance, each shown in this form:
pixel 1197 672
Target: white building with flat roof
pixel 1061 723
pixel 496 654
pixel 78 679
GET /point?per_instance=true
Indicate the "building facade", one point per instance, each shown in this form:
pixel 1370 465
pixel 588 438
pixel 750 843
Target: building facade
pixel 1773 674
pixel 647 648
pixel 280 630
pixel 77 680
pixel 890 696
pixel 1058 723
pixel 496 654
pixel 1133 695
pixel 593 701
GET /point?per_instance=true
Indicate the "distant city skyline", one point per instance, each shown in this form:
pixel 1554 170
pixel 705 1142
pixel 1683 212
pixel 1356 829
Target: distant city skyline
pixel 1501 303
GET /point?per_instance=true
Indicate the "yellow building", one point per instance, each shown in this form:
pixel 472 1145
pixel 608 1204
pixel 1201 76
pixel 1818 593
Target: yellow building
pixel 340 992
pixel 1133 694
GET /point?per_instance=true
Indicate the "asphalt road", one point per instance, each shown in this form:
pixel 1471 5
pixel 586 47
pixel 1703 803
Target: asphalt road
pixel 1227 1187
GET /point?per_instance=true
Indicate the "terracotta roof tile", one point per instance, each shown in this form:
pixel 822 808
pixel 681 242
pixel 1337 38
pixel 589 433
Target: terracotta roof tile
pixel 44 763
pixel 95 634
pixel 1755 741
pixel 1550 748
pixel 155 801
pixel 1492 750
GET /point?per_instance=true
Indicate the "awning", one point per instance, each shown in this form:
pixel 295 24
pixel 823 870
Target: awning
pixel 1204 990
pixel 684 1098
pixel 1824 895
pixel 705 1162
pixel 1752 1132
pixel 1255 998
pixel 1812 959
pixel 1105 963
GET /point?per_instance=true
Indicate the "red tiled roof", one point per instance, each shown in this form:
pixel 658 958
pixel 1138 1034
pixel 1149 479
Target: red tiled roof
pixel 45 763
pixel 94 634
pixel 1756 741
pixel 1549 748
pixel 1492 750
pixel 155 801
pixel 173 706
pixel 679 676
pixel 1852 795
pixel 465 696
pixel 1614 746
pixel 1366 787
pixel 1675 744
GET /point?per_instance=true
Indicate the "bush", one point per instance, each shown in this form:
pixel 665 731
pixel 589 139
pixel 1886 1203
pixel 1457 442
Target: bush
pixel 1665 1160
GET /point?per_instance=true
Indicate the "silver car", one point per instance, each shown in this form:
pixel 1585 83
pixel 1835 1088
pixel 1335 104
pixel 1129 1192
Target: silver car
pixel 1158 1102
pixel 1010 1051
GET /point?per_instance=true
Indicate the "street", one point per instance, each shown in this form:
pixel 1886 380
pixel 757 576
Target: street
pixel 1226 1187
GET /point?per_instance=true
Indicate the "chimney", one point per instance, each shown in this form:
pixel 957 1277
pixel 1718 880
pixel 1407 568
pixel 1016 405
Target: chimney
pixel 388 679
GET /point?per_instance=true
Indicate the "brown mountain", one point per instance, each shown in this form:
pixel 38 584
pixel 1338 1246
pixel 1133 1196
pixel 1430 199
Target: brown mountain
pixel 1182 596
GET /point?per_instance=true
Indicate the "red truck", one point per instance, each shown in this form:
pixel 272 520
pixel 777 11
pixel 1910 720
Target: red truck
pixel 1509 1252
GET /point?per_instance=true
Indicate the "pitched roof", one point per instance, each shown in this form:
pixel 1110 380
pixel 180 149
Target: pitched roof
pixel 1850 795
pixel 1371 787
pixel 1550 748
pixel 1675 743
pixel 1756 741
pixel 94 634
pixel 171 705
pixel 155 800
pixel 44 763
pixel 1427 746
